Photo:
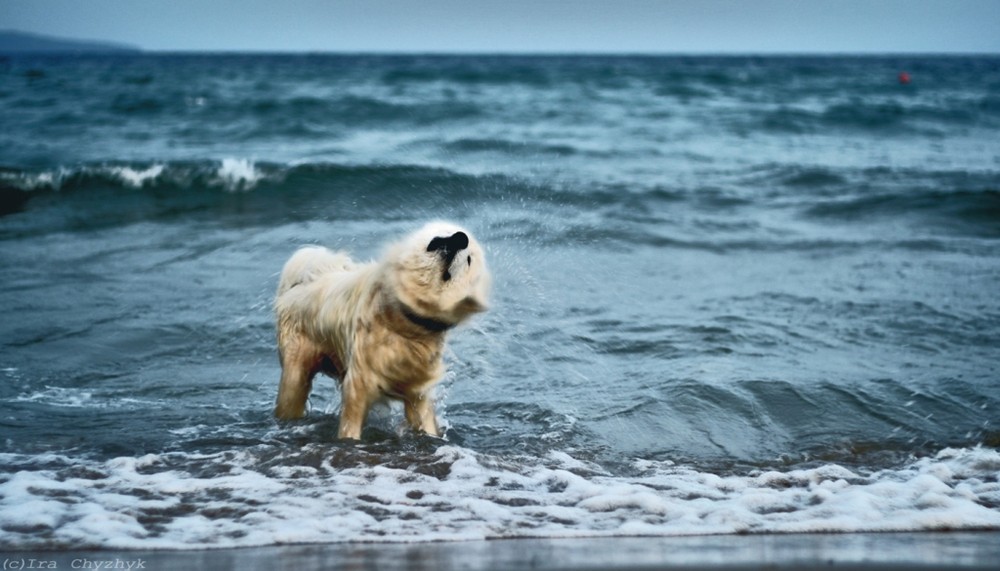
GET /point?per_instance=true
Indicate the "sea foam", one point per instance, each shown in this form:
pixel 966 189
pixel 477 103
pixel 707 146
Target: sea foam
pixel 167 501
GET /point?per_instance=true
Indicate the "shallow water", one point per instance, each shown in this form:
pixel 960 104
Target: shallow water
pixel 731 295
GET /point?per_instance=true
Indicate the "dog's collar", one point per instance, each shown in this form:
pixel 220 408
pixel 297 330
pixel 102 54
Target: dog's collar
pixel 428 323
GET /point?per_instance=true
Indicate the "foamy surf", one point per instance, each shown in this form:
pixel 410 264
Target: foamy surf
pixel 257 498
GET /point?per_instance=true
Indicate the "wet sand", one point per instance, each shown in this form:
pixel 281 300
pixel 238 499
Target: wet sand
pixel 960 550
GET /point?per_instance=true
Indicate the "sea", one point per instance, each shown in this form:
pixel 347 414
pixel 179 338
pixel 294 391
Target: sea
pixel 732 295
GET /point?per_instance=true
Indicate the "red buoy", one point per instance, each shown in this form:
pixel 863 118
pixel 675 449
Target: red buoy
pixel 904 78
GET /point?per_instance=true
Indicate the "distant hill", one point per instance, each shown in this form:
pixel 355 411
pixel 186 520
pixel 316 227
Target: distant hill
pixel 13 42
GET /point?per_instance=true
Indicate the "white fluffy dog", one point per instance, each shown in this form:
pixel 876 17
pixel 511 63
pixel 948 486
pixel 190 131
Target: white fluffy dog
pixel 377 327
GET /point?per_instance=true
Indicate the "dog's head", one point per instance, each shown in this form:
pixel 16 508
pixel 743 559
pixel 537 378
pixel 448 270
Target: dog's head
pixel 439 272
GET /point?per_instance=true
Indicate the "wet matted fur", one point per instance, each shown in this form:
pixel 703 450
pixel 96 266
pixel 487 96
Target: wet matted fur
pixel 378 327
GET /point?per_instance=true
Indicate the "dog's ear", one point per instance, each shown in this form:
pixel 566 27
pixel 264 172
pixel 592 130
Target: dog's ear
pixel 470 305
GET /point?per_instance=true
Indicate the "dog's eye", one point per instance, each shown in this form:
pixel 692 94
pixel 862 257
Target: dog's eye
pixel 469 260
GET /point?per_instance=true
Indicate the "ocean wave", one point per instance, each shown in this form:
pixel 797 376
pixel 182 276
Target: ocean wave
pixel 282 183
pixel 246 192
pixel 205 112
pixel 950 203
pixel 229 174
pixel 465 71
pixel 264 496
pixel 969 212
pixel 753 185
pixel 889 117
pixel 358 110
pixel 477 145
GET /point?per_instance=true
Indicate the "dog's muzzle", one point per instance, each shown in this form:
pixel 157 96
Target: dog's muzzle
pixel 448 248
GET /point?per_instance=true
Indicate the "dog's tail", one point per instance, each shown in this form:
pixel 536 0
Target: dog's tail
pixel 310 262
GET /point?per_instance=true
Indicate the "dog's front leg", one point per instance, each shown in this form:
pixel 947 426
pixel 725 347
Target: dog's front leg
pixel 355 402
pixel 419 410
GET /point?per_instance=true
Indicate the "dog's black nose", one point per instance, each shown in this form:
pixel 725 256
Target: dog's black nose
pixel 454 243
pixel 449 247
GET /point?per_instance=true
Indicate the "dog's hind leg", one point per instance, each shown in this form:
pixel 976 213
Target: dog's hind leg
pixel 298 367
pixel 419 410
pixel 293 392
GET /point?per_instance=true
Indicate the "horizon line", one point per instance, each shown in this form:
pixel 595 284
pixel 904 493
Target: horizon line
pixel 88 45
pixel 137 51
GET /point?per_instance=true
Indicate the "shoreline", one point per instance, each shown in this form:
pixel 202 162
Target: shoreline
pixel 856 551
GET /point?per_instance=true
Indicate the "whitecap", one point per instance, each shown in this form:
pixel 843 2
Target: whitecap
pixel 137 178
pixel 238 174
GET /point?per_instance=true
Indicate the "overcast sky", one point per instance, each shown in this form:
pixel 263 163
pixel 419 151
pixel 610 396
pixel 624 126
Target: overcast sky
pixel 593 26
